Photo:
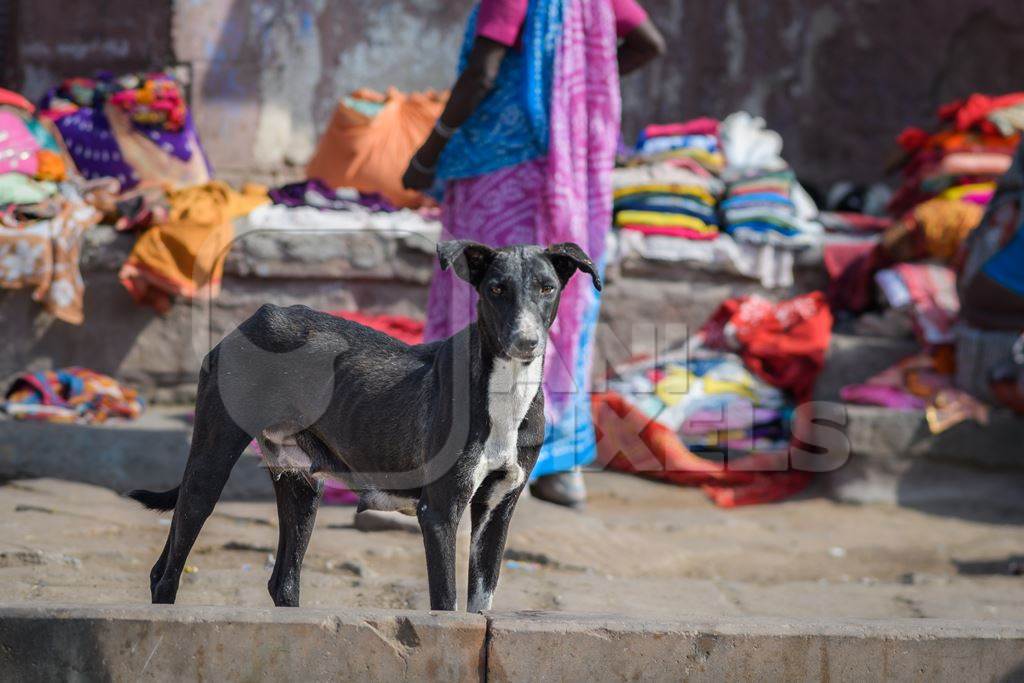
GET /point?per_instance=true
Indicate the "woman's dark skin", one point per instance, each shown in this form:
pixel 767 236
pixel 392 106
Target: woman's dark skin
pixel 640 46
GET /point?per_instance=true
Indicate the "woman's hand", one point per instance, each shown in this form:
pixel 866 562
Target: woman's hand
pixel 418 176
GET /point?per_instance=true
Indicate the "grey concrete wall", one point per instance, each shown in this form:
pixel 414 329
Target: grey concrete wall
pixel 838 79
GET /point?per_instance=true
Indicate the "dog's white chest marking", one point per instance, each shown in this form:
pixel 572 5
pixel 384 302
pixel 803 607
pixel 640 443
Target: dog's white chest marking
pixel 511 389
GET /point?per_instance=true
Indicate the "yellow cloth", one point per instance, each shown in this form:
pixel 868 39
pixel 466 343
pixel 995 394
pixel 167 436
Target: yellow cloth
pixel 721 386
pixel 666 220
pixel 945 224
pixel 662 188
pixel 960 191
pixel 674 385
pixel 185 256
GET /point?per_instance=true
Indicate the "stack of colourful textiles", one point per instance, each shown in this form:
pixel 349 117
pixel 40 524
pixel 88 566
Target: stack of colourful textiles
pixel 676 198
pixel 962 160
pixel 71 395
pixel 697 140
pixel 759 209
pixel 135 129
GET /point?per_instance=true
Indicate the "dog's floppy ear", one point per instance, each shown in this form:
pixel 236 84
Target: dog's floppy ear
pixel 567 258
pixel 469 260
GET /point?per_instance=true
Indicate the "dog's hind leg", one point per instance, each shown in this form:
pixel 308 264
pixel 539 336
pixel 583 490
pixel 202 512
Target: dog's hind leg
pixel 297 501
pixel 217 443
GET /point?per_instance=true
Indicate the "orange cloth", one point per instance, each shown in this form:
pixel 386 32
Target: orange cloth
pixel 185 256
pixel 372 153
pixel 51 166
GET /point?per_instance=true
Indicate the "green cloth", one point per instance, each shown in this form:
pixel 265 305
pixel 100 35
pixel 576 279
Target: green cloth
pixel 18 188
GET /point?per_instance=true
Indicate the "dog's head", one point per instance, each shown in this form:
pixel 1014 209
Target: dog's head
pixel 519 288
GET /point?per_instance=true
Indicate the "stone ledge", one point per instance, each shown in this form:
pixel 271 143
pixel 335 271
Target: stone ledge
pixel 149 453
pixel 52 642
pixel 552 647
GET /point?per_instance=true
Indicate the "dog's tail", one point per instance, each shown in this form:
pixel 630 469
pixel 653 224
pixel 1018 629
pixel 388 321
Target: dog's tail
pixel 163 501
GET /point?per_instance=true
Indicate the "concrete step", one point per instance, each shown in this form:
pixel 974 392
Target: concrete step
pixel 149 453
pixel 853 359
pixel 894 458
pixel 230 643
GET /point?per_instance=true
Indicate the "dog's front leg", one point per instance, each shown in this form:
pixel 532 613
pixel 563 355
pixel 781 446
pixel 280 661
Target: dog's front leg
pixel 439 520
pixel 491 512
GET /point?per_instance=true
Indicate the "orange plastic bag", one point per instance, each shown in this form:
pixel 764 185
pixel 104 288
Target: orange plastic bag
pixel 370 153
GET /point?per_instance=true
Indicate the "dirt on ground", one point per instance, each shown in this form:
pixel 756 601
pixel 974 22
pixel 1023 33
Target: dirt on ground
pixel 640 548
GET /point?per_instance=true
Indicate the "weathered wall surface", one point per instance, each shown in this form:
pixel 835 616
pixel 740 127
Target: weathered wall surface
pixel 55 39
pixel 837 79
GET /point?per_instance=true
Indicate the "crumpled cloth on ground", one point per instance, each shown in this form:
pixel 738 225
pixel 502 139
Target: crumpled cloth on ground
pixel 923 381
pixel 782 343
pixel 71 395
pixel 928 290
pixel 631 441
pixel 185 256
pixel 44 254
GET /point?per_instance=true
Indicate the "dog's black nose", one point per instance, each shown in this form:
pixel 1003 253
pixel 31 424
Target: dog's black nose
pixel 526 343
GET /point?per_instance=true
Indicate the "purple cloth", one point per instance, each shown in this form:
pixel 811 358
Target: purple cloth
pixel 93 148
pixel 315 193
pixel 880 395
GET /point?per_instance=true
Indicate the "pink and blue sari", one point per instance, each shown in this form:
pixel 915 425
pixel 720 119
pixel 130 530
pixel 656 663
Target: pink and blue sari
pixel 552 183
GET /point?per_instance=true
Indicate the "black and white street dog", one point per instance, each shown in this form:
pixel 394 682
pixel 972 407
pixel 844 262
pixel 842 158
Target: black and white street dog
pixel 425 429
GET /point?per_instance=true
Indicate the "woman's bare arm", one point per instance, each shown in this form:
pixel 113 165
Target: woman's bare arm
pixel 472 86
pixel 639 47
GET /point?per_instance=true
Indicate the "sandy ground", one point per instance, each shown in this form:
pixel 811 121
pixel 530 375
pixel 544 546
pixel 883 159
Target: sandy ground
pixel 641 549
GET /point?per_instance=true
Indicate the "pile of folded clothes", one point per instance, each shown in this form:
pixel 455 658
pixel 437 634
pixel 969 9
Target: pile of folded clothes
pixel 669 185
pixel 961 161
pixel 696 140
pixel 765 203
pixel 759 209
pixel 662 207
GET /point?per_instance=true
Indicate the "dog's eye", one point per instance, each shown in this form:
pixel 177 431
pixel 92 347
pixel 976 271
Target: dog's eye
pixel 496 290
pixel 546 289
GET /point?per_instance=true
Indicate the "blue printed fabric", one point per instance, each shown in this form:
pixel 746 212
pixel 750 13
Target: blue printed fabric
pixel 512 124
pixel 666 203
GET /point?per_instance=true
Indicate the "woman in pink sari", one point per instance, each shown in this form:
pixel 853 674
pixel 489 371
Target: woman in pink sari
pixel 523 153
